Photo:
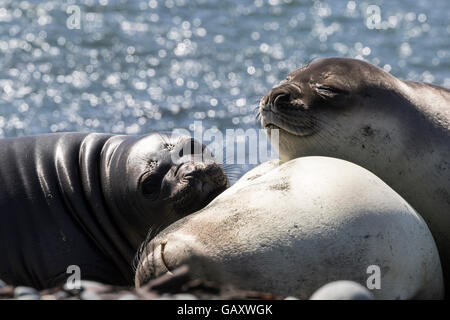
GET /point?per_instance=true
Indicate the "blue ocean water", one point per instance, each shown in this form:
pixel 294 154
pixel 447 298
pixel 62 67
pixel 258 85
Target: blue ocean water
pixel 140 66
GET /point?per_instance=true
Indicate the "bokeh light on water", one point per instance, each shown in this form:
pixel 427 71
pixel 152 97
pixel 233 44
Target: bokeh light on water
pixel 140 66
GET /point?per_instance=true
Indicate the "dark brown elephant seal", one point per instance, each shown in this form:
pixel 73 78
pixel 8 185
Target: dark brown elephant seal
pixel 352 110
pixel 89 200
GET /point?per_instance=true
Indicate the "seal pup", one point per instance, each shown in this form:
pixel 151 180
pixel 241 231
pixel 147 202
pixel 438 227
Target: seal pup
pixel 89 199
pixel 352 110
pixel 291 228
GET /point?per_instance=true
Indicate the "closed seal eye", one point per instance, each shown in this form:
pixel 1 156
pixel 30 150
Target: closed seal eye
pixel 151 185
pixel 150 181
pixel 326 91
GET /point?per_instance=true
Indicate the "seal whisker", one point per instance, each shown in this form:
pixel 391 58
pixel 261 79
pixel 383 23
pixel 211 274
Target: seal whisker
pixel 318 141
pixel 152 232
pixel 327 127
pixel 144 252
pixel 233 171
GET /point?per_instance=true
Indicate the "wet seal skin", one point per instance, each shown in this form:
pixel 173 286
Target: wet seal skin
pixel 288 229
pixel 352 110
pixel 89 199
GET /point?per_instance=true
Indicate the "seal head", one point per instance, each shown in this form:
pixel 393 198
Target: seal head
pixel 157 179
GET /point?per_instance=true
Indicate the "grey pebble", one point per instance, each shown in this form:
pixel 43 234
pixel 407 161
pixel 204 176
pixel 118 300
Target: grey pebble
pixel 92 285
pixel 2 284
pixel 128 296
pixel 29 297
pixel 25 291
pixel 86 285
pixel 184 296
pixel 165 296
pixel 61 295
pixel 88 295
pixel 342 290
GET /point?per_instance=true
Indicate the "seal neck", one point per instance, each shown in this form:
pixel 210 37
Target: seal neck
pixel 101 223
pixel 117 194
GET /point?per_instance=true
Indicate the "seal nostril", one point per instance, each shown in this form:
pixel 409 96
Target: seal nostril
pixel 281 98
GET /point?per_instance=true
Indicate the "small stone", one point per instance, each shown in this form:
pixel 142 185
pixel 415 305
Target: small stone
pixel 23 291
pixel 183 296
pixel 29 297
pixel 88 295
pixel 128 296
pixel 147 295
pixel 7 292
pixel 61 295
pixel 342 290
pixel 165 296
pixel 92 285
pixel 48 297
pixel 87 285
pixel 291 298
pixel 2 284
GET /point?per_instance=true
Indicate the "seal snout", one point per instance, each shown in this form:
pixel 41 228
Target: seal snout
pixel 286 107
pixel 197 183
pixel 205 171
pixel 183 178
pixel 283 97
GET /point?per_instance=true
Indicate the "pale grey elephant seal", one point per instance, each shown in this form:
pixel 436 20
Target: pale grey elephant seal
pixel 290 229
pixel 342 290
pixel 89 200
pixel 352 110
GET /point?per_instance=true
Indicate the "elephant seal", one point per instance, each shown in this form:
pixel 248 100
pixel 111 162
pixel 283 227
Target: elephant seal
pixel 298 226
pixel 89 199
pixel 352 110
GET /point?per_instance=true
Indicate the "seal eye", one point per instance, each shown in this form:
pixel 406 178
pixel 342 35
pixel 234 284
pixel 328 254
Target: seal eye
pixel 151 185
pixel 150 182
pixel 328 92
